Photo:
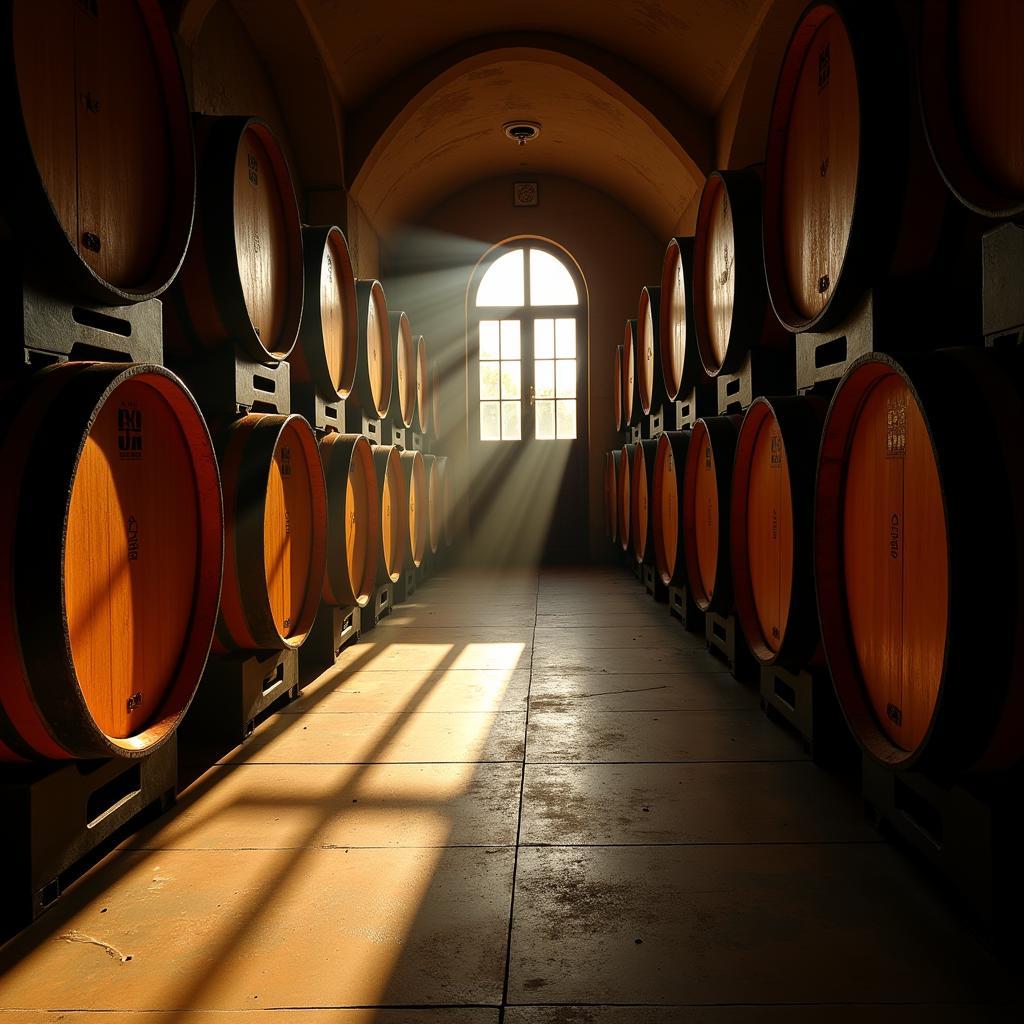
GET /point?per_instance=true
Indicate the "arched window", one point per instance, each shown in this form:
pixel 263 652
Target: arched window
pixel 528 308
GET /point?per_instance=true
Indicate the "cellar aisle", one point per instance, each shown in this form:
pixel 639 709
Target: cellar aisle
pixel 530 797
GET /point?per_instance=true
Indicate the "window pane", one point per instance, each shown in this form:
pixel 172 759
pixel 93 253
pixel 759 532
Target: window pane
pixel 490 421
pixel 544 379
pixel 565 339
pixel 511 426
pixel 490 386
pixel 550 283
pixel 545 420
pixel 502 285
pixel 567 419
pixel 511 380
pixel 566 378
pixel 510 347
pixel 544 339
pixel 489 339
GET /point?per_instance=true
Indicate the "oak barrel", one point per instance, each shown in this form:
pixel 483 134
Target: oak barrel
pixel 650 384
pixel 630 391
pixel 111 548
pixel 641 480
pixel 242 279
pixel 681 368
pixel 97 128
pixel 918 519
pixel 972 97
pixel 851 196
pixel 617 412
pixel 326 353
pixel 403 360
pixel 353 519
pixel 625 494
pixel 394 512
pixel 707 486
pixel 434 525
pixel 731 312
pixel 667 501
pixel 771 529
pixel 423 390
pixel 418 513
pixel 275 506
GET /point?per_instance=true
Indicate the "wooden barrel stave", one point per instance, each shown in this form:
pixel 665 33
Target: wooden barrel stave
pixel 275 502
pixel 403 360
pixel 630 390
pixel 669 546
pixel 423 390
pixel 394 512
pixel 650 382
pixel 641 482
pixel 681 368
pixel 625 492
pixel 353 520
pixel 414 472
pixel 103 626
pixel 327 349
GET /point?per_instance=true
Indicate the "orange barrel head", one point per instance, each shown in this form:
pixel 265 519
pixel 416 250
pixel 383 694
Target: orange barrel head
pixel 100 149
pixel 707 487
pixel 771 529
pixel 415 473
pixel 325 356
pixel 275 503
pixel 630 392
pixel 403 355
pixel 394 512
pixel 681 368
pixel 667 500
pixel 650 384
pixel 242 281
pixel 641 488
pixel 375 361
pixel 353 520
pixel 111 543
pixel 625 494
pixel 918 515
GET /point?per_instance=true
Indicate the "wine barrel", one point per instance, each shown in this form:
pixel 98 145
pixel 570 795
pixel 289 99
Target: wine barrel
pixel 731 312
pixel 435 401
pixel 625 494
pixel 972 97
pixel 394 513
pixel 851 196
pixel 275 505
pixel 920 571
pixel 434 525
pixel 681 368
pixel 374 382
pixel 111 548
pixel 641 480
pixel 415 475
pixel 650 384
pixel 617 411
pixel 100 150
pixel 403 359
pixel 445 480
pixel 630 391
pixel 667 499
pixel 770 529
pixel 353 520
pixel 707 485
pixel 242 279
pixel 326 353
pixel 423 390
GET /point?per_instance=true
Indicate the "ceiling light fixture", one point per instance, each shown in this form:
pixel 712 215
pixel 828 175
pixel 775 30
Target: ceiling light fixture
pixel 522 132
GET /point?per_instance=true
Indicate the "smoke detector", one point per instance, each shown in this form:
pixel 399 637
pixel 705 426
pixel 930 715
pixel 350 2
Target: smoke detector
pixel 522 132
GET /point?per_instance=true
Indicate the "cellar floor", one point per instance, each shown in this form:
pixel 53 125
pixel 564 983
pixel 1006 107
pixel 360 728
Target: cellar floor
pixel 532 798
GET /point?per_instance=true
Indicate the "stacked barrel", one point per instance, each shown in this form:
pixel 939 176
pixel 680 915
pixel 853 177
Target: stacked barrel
pixel 198 497
pixel 822 501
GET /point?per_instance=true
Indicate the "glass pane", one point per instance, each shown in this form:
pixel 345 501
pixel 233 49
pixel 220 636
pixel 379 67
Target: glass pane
pixel 566 378
pixel 511 380
pixel 544 339
pixel 511 426
pixel 545 420
pixel 502 285
pixel 490 421
pixel 490 386
pixel 489 339
pixel 544 379
pixel 510 347
pixel 565 339
pixel 550 283
pixel 567 419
